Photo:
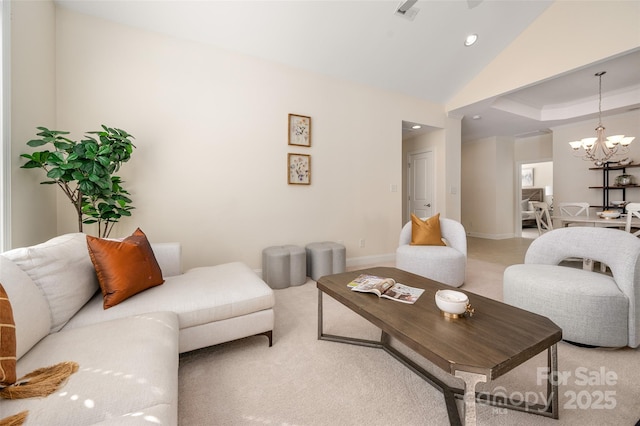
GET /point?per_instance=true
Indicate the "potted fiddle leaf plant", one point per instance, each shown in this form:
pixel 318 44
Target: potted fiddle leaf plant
pixel 84 171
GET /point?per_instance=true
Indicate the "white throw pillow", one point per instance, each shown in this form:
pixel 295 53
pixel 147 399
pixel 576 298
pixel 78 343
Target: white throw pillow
pixel 63 271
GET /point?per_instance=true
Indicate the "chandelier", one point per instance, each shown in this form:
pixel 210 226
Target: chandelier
pixel 601 149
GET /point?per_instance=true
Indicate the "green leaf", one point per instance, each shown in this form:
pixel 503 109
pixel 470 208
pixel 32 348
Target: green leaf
pixel 55 173
pixel 95 178
pixel 62 145
pixel 36 142
pixel 31 165
pixel 86 187
pixel 104 161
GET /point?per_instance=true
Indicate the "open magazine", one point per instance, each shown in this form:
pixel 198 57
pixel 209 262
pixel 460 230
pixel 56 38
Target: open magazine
pixel 385 287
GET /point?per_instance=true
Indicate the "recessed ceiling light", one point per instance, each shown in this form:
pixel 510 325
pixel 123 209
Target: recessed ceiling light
pixel 471 38
pixel 476 117
pixel 417 126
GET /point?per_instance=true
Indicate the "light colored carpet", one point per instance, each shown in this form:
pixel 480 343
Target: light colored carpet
pixel 304 381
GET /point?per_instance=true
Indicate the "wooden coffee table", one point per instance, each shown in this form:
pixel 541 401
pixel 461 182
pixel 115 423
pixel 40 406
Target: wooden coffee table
pixel 496 339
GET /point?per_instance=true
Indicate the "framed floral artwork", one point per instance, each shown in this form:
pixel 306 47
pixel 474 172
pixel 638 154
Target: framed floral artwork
pixel 299 130
pixel 299 169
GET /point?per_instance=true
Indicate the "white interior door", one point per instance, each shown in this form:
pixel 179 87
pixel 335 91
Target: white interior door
pixel 421 178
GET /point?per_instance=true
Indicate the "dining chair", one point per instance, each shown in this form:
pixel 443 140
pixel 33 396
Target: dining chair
pixel 543 219
pixel 573 209
pixel 633 210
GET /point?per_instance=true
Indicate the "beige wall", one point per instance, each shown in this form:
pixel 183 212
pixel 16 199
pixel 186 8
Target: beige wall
pixel 534 148
pixel 33 206
pixel 488 187
pixel 211 135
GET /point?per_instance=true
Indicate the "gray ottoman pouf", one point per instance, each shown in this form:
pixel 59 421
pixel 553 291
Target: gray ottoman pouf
pixel 284 266
pixel 325 258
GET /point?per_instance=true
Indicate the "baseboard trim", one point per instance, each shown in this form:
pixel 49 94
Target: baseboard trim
pixel 491 236
pixel 371 260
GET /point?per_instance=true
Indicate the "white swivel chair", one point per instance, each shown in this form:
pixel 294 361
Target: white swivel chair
pixel 591 308
pixel 445 264
pixel 633 210
pixel 543 219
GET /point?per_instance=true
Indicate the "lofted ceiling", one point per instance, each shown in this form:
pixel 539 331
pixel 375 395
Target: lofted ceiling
pixel 366 42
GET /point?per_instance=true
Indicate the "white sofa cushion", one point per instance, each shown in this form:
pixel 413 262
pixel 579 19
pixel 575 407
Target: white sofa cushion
pixel 30 308
pixel 199 296
pixel 128 370
pixel 63 271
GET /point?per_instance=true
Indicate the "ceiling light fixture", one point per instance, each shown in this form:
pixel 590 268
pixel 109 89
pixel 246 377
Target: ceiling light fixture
pixel 471 39
pixel 416 127
pixel 598 149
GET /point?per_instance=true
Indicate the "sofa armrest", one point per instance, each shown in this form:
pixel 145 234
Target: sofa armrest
pixel 169 257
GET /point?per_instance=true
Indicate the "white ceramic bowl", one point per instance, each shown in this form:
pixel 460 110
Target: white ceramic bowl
pixel 610 214
pixel 451 301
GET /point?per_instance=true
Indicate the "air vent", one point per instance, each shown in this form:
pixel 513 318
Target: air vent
pixel 404 10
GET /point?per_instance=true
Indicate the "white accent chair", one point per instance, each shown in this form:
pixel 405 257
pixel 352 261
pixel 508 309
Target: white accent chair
pixel 592 308
pixel 445 264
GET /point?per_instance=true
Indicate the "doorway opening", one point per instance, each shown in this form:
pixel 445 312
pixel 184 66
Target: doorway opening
pixel 418 170
pixel 535 184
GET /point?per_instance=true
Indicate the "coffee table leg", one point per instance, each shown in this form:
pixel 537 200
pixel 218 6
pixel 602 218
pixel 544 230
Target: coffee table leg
pixel 552 383
pixel 320 319
pixel 470 382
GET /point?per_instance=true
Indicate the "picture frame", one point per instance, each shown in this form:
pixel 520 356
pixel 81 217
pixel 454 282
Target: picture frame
pixel 299 169
pixel 299 130
pixel 527 178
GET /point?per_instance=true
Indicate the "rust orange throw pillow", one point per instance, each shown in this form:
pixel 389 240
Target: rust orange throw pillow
pixel 7 341
pixel 426 232
pixel 124 268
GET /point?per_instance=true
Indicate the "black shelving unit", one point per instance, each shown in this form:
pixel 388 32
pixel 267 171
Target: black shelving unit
pixel 607 186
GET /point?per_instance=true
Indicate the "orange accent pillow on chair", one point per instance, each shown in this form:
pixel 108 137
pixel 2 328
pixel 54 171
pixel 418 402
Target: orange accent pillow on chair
pixel 124 268
pixel 426 232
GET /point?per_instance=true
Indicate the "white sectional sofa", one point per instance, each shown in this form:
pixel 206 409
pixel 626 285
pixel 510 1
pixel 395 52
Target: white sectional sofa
pixel 127 354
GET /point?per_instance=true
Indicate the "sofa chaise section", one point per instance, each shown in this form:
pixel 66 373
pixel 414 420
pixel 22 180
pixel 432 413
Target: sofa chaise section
pixel 214 304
